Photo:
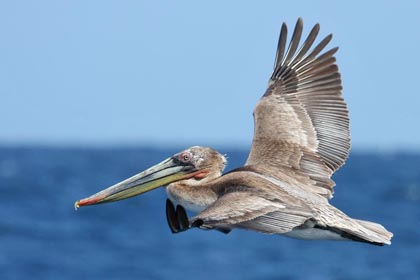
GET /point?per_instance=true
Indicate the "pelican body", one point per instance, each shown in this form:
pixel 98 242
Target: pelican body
pixel 301 138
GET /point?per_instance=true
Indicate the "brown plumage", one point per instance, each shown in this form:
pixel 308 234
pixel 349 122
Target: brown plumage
pixel 301 138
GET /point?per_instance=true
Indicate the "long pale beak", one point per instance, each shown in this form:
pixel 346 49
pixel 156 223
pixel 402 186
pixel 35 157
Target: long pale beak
pixel 164 173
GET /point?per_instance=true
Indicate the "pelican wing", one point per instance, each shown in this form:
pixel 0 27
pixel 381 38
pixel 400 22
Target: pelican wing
pixel 302 121
pixel 250 211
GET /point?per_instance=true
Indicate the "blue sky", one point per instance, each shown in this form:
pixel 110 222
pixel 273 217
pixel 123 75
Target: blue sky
pixel 185 73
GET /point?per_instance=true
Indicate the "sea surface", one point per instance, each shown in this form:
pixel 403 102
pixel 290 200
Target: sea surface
pixel 43 237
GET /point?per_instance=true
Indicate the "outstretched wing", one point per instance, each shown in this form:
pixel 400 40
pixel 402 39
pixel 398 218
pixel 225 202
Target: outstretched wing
pixel 302 121
pixel 250 211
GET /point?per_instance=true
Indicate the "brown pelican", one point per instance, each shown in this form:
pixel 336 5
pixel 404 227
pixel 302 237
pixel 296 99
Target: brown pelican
pixel 301 138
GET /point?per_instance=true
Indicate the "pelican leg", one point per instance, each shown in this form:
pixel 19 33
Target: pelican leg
pixel 198 223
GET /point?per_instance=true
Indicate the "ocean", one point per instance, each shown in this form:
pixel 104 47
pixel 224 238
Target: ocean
pixel 43 237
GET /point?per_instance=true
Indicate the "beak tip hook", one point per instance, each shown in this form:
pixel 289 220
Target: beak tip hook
pixel 76 205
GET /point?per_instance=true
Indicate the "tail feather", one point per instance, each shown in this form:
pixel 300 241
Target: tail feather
pixel 374 232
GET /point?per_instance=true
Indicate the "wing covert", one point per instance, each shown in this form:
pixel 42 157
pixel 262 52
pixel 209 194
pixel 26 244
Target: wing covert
pixel 250 211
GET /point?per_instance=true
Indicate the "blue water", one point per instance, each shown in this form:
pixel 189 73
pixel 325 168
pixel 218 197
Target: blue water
pixel 43 237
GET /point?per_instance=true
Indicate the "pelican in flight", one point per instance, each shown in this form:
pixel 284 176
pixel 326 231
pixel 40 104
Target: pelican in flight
pixel 301 138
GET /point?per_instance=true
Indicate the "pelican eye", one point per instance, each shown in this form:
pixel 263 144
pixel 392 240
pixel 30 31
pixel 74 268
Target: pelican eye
pixel 185 157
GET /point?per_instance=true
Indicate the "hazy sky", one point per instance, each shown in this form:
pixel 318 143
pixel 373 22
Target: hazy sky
pixel 187 73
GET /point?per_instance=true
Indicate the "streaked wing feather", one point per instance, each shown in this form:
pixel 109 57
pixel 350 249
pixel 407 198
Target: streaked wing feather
pixel 281 46
pixel 302 120
pixel 294 42
pixel 307 44
pixel 277 221
pixel 250 211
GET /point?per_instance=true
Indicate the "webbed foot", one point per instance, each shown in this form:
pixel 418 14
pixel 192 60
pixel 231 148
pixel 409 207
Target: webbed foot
pixel 177 218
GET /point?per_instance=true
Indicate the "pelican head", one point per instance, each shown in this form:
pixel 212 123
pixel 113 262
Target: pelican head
pixel 194 166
